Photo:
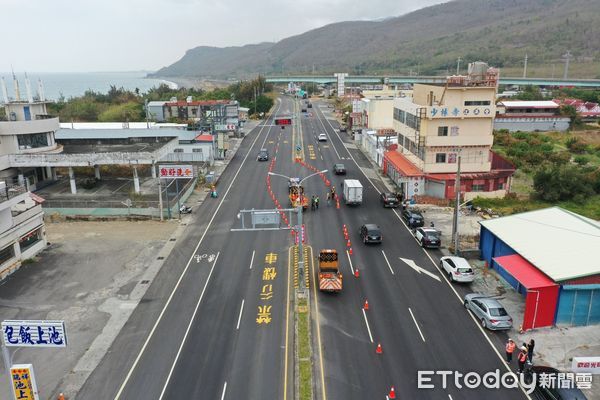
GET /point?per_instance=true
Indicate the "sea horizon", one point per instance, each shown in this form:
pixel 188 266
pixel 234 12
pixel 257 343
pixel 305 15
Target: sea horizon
pixel 74 84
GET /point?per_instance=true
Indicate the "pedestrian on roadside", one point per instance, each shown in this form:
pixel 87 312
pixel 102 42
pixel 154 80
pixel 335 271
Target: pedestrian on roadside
pixel 328 198
pixel 530 348
pixel 510 349
pixel 317 202
pixel 522 358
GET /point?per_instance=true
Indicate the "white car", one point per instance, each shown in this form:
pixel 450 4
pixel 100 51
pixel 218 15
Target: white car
pixel 457 268
pixel 322 137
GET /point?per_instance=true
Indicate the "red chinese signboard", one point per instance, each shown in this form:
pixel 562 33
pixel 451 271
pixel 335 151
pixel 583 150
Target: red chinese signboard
pixel 176 171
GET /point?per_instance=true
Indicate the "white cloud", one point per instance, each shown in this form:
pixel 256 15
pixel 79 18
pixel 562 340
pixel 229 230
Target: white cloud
pixel 104 35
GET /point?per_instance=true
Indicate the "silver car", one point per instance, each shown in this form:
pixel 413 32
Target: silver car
pixel 489 311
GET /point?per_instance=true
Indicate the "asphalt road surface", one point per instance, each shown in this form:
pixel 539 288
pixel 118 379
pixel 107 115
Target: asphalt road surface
pixel 216 323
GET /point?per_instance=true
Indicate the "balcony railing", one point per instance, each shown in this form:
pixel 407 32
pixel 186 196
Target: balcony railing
pixel 9 192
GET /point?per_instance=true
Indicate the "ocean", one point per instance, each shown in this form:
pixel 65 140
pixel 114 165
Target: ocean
pixel 73 84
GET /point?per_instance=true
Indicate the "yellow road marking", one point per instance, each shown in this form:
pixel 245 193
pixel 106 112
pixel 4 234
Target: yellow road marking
pixel 270 258
pixel 312 268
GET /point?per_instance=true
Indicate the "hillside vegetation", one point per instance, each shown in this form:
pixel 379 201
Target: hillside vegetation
pixel 428 41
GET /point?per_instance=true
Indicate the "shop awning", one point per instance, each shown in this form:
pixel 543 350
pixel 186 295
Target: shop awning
pixel 402 164
pixel 523 271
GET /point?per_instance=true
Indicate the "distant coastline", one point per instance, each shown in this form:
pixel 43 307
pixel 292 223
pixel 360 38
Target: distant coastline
pixel 195 83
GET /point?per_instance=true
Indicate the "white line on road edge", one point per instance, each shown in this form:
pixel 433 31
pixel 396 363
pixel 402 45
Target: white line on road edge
pixel 450 397
pixel 420 270
pixel 240 317
pixel 350 261
pixel 367 322
pixel 187 331
pixel 139 356
pixel 224 390
pixel 417 325
pixel 433 262
pixel 388 263
pixel 252 260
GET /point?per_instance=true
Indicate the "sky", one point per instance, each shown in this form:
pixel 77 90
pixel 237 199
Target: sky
pixel 132 35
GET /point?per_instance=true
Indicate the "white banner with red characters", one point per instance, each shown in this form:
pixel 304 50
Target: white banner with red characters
pixel 176 171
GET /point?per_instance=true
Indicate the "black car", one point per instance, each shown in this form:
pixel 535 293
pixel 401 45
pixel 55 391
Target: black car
pixel 428 237
pixel 370 233
pixel 339 169
pixel 551 388
pixel 263 155
pixel 413 219
pixel 389 199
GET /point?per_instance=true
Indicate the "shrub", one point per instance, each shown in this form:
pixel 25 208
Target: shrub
pixel 575 145
pixel 555 183
pixel 581 160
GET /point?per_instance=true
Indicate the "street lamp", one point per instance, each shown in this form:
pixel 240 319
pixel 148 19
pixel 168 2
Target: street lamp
pixel 299 227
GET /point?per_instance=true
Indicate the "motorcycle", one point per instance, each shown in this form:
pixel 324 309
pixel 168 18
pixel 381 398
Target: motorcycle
pixel 185 209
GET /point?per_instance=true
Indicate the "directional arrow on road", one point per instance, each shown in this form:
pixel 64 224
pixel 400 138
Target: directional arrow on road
pixel 420 270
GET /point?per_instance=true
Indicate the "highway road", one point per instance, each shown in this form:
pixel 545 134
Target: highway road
pixel 216 323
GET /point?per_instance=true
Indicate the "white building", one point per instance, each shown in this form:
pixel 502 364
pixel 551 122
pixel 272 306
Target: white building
pixel 22 230
pixel 530 116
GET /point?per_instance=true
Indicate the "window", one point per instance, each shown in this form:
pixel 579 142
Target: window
pixel 440 158
pixel 30 239
pixel 7 253
pixel 33 141
pixel 478 188
pixel 442 131
pixel 196 150
pixel 178 151
pixel 477 103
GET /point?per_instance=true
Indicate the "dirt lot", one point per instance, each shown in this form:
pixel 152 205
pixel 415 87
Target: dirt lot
pixel 85 278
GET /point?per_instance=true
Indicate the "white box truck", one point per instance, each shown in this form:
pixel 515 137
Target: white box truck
pixel 353 191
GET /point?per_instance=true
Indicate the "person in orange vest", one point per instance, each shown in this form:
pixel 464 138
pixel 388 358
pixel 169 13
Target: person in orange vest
pixel 522 358
pixel 510 349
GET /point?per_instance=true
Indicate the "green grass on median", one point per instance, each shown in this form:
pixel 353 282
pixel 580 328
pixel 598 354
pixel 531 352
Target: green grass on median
pixel 305 367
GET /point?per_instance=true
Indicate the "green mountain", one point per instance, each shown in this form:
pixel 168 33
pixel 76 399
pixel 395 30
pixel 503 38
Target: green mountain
pixel 427 41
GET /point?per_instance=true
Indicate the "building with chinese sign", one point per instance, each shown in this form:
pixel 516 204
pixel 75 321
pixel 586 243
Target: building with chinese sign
pixel 209 115
pixel 441 123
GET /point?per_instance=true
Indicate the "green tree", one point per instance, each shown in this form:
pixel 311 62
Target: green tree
pixel 571 112
pixel 554 183
pixel 131 112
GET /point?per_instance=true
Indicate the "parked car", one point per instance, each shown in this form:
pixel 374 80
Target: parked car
pixel 414 219
pixel 389 199
pixel 489 311
pixel 370 233
pixel 263 155
pixel 457 268
pixel 429 237
pixel 322 137
pixel 343 129
pixel 339 169
pixel 553 391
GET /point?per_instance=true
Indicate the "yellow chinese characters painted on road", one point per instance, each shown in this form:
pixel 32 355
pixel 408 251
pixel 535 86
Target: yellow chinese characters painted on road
pixel 269 273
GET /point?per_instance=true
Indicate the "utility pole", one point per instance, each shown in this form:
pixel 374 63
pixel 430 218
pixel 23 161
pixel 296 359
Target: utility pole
pixel 458 60
pixel 254 99
pixel 567 59
pixel 456 208
pixel 525 67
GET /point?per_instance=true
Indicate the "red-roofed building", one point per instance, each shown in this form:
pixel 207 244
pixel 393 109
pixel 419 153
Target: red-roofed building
pixel 530 116
pixel 586 109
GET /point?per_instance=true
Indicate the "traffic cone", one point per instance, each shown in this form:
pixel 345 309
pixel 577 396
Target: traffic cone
pixel 392 394
pixel 356 273
pixel 379 350
pixel 366 306
pixel 348 244
pixel 350 251
pixel 61 397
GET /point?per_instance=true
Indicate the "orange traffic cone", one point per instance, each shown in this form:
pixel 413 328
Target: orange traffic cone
pixel 366 306
pixel 61 396
pixel 348 244
pixel 379 350
pixel 392 394
pixel 356 273
pixel 350 251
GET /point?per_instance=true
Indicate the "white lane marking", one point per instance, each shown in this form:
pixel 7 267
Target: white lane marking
pixel 433 262
pixel 224 390
pixel 388 263
pixel 450 397
pixel 327 134
pixel 160 316
pixel 240 316
pixel 416 324
pixel 189 327
pixel 367 322
pixel 252 260
pixel 350 261
pixel 420 270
